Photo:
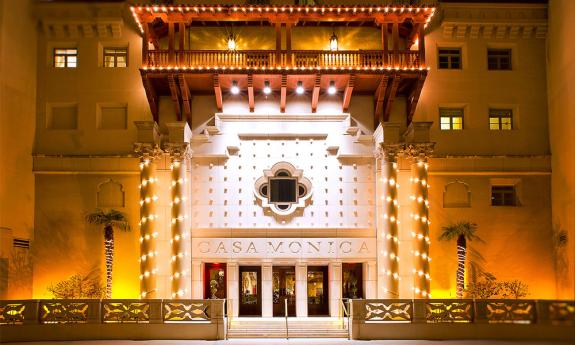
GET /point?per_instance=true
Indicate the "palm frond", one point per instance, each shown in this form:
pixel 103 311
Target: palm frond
pixel 112 217
pixel 462 228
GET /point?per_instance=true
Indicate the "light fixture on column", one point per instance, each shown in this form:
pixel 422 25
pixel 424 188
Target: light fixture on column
pixel 331 89
pixel 235 89
pixel 299 89
pixel 231 42
pixel 267 88
pixel 333 42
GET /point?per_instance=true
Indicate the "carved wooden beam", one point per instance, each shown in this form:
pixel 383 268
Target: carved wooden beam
pixel 186 98
pixel 315 93
pixel 152 96
pixel 218 92
pixel 283 93
pixel 174 91
pixel 347 92
pixel 390 97
pixel 379 98
pixel 413 98
pixel 251 92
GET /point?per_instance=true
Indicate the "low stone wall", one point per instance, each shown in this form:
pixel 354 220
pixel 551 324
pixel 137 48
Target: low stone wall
pixel 34 320
pixel 463 319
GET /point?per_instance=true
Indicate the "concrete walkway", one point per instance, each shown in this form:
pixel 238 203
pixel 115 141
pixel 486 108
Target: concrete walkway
pixel 292 342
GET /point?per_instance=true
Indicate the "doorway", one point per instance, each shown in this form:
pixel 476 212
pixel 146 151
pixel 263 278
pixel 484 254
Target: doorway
pixel 283 284
pixel 250 291
pixel 317 291
pixel 215 281
pixel 352 281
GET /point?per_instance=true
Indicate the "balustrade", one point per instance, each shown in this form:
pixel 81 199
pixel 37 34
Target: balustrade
pixel 267 59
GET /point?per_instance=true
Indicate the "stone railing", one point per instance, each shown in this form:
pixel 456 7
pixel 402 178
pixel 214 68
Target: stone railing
pixel 551 319
pixel 207 316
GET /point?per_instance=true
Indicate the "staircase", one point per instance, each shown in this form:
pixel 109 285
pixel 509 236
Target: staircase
pixel 300 327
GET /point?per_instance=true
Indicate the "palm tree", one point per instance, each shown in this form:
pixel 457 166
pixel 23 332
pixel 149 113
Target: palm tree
pixel 463 231
pixel 109 219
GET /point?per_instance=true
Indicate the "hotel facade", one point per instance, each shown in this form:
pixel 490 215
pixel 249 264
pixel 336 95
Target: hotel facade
pixel 281 152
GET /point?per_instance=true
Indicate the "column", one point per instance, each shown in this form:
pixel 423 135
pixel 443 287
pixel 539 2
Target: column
pixel 179 236
pixel 278 28
pixel 384 43
pixel 395 33
pixel 145 43
pixel 370 280
pixel 148 231
pixel 232 274
pixel 267 290
pixel 301 289
pixel 197 280
pixel 388 240
pixel 171 44
pixel 422 45
pixel 420 220
pixel 335 276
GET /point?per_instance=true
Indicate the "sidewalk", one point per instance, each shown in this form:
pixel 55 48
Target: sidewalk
pixel 301 341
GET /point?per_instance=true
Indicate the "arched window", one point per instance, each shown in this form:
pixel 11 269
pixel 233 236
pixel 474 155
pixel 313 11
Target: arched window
pixel 110 194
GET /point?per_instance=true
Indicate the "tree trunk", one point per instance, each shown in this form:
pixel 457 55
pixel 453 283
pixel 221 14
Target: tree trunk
pixel 461 255
pixel 109 253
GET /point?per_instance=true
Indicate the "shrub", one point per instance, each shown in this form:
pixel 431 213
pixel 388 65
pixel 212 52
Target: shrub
pixel 78 286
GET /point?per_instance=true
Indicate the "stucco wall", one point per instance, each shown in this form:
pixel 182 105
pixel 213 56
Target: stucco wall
pixel 561 90
pixel 17 115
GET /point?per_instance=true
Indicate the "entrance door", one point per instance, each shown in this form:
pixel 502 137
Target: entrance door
pixel 284 289
pixel 317 291
pixel 215 280
pixel 250 295
pixel 352 281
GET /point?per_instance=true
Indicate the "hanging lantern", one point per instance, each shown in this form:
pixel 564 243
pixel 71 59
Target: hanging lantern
pixel 231 42
pixel 333 42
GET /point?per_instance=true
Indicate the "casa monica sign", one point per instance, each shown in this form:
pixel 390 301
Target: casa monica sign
pixel 283 248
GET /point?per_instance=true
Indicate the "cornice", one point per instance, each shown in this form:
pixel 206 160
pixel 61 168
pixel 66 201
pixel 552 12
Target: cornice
pixel 494 21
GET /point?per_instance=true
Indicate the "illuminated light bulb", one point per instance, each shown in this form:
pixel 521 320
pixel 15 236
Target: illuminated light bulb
pixel 267 88
pixel 299 89
pixel 331 89
pixel 231 42
pixel 235 89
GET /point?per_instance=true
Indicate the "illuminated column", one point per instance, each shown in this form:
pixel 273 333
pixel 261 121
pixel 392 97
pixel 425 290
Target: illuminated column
pixel 420 219
pixel 388 241
pixel 179 257
pixel 148 218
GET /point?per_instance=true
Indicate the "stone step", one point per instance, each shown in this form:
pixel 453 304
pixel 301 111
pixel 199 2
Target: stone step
pixel 298 328
pixel 282 334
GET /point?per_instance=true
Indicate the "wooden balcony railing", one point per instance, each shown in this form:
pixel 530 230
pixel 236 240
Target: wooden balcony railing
pixel 268 59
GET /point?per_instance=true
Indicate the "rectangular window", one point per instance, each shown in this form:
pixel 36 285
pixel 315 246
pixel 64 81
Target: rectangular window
pixel 65 57
pixel 499 59
pixel 500 119
pixel 503 196
pixel 115 57
pixel 449 58
pixel 283 190
pixel 451 119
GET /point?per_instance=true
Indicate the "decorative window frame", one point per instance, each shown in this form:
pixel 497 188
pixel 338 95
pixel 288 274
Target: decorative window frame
pixel 297 174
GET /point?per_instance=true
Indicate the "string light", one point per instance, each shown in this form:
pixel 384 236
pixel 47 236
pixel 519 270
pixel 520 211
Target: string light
pixel 148 199
pixel 420 232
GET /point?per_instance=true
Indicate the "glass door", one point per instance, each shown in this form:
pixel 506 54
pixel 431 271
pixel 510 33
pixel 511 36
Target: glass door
pixel 352 280
pixel 250 296
pixel 215 281
pixel 317 291
pixel 284 289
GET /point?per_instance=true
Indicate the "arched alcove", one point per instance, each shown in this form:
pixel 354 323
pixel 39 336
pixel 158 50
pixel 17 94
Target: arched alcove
pixel 110 194
pixel 456 194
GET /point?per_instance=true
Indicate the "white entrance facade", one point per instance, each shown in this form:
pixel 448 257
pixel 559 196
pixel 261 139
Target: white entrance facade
pixel 298 253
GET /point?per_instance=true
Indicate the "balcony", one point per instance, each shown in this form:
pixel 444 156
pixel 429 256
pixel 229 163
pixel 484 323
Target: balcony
pixel 192 50
pixel 268 60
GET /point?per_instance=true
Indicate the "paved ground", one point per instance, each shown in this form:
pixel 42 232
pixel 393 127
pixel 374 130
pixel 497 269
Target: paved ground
pixel 292 342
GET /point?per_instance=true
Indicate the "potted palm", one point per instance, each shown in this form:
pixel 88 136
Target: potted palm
pixel 461 231
pixel 110 219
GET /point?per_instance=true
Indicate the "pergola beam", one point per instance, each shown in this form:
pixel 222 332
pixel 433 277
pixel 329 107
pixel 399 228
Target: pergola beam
pixel 186 98
pixel 315 93
pixel 251 92
pixel 283 93
pixel 218 92
pixel 347 92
